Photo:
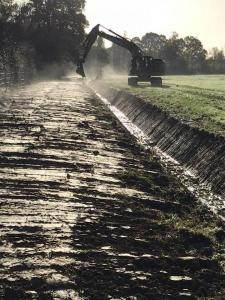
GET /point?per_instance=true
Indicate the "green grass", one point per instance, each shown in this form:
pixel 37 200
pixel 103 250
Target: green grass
pixel 198 100
pixel 209 82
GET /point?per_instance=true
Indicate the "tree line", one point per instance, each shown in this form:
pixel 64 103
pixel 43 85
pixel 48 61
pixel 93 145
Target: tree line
pixel 43 32
pixel 181 55
pixel 40 32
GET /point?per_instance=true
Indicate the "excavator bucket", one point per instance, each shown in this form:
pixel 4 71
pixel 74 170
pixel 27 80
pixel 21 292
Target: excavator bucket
pixel 80 69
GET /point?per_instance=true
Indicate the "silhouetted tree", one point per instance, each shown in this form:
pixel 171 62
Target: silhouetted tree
pixel 55 28
pixel 216 62
pixel 153 44
pixel 10 32
pixel 173 55
pixel 194 55
pixel 12 54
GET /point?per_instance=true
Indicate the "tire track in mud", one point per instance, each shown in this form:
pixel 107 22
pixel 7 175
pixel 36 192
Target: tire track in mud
pixel 85 213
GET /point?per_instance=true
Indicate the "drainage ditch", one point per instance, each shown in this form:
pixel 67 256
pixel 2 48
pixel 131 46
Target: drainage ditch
pixel 195 156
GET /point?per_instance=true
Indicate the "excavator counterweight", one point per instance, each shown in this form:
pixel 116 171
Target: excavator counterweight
pixel 143 68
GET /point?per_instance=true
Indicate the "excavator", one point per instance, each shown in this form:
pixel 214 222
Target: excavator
pixel 143 68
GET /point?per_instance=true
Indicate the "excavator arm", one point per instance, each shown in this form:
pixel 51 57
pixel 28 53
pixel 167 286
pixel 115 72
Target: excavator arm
pixel 114 38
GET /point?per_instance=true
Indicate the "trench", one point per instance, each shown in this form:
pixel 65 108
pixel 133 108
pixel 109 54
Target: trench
pixel 195 156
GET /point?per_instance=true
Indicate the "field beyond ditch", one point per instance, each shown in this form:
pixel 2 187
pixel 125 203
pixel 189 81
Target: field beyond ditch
pixel 197 100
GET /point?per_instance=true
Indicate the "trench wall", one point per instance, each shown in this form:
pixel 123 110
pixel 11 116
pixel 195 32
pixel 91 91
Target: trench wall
pixel 196 149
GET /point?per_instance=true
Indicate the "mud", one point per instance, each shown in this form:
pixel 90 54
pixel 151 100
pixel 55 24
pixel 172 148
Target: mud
pixel 86 213
pixel 201 153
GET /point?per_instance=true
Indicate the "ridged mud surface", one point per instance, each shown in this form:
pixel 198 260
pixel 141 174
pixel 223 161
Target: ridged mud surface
pixel 87 214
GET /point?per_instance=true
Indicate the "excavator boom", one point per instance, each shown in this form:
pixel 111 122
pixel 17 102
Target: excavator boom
pixel 85 48
pixel 143 68
pixel 115 38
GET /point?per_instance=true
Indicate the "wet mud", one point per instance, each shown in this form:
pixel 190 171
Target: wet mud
pixel 87 213
pixel 198 150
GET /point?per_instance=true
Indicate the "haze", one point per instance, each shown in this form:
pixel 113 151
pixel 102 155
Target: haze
pixel 204 19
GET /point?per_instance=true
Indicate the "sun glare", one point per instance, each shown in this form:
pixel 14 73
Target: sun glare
pixel 187 17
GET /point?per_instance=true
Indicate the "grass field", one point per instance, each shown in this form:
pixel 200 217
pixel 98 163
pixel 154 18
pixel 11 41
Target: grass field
pixel 198 100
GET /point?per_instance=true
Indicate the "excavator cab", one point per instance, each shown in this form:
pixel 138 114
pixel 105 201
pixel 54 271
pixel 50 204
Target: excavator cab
pixel 145 69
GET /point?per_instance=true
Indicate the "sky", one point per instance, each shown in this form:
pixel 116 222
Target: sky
pixel 204 19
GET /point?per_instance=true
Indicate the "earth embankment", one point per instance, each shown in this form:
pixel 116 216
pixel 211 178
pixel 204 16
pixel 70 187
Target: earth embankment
pixel 198 150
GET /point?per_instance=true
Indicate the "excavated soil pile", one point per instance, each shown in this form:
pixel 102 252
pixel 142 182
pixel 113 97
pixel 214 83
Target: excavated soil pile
pixel 197 149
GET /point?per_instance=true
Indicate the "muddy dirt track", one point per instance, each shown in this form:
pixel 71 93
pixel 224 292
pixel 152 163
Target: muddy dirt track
pixel 88 214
